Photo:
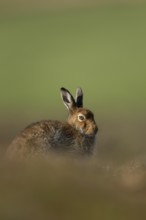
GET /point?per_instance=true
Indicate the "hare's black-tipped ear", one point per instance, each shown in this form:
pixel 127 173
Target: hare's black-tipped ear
pixel 79 97
pixel 68 99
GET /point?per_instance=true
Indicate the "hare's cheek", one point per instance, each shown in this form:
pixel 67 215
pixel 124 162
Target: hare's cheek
pixel 85 127
pixel 81 126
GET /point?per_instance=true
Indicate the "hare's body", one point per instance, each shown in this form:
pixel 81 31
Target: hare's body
pixel 73 136
pixel 47 136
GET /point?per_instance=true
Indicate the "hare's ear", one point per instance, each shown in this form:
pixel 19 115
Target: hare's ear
pixel 79 97
pixel 68 99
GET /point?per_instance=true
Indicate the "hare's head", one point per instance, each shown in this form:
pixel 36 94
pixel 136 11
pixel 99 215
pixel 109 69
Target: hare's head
pixel 80 118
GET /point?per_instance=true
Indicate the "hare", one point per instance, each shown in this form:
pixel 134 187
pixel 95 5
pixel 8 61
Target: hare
pixel 76 135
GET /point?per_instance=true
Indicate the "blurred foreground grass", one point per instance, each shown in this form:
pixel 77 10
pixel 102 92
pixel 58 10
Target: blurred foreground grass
pixel 68 188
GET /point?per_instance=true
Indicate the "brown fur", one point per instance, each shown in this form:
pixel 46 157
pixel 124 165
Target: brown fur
pixel 73 136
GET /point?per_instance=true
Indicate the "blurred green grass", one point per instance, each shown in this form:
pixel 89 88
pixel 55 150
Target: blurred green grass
pixel 101 49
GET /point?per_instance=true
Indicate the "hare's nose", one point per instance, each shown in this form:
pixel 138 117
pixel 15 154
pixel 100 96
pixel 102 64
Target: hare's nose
pixel 95 129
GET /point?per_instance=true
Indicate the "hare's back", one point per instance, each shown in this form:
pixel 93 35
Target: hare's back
pixel 38 137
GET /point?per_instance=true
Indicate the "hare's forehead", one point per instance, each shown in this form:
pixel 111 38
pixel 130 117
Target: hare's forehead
pixel 85 112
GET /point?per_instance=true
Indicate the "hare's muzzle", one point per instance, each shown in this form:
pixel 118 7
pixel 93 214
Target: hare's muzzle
pixel 95 128
pixel 92 129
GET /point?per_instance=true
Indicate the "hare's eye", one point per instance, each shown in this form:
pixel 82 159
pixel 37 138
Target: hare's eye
pixel 81 117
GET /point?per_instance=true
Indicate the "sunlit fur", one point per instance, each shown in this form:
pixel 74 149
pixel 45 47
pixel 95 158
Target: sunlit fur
pixel 87 126
pixel 72 136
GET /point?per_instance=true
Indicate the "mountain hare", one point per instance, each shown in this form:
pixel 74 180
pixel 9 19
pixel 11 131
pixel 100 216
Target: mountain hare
pixel 77 135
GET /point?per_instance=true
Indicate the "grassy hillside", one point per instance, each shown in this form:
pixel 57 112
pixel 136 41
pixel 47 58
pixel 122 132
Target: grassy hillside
pixel 101 49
